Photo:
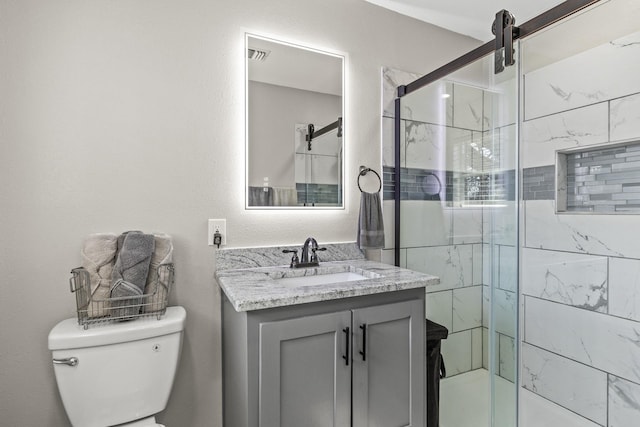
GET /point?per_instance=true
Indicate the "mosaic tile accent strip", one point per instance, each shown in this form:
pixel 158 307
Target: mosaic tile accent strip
pixel 318 194
pixel 604 179
pixel 428 184
pixel 539 183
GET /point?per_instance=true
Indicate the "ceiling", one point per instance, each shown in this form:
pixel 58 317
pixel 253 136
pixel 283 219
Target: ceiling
pixel 469 17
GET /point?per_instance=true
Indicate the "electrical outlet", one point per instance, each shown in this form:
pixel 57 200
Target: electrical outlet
pixel 219 225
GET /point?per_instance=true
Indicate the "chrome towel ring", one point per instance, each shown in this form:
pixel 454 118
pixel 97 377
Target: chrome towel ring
pixel 363 171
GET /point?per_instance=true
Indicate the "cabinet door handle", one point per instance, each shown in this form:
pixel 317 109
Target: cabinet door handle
pixel 347 334
pixel 363 352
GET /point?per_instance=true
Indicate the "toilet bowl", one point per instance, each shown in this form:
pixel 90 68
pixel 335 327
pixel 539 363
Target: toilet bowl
pixel 117 373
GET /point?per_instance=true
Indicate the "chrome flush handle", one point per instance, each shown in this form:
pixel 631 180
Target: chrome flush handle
pixel 71 361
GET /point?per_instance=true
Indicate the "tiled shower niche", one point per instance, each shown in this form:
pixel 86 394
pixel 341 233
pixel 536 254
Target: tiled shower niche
pixel 603 179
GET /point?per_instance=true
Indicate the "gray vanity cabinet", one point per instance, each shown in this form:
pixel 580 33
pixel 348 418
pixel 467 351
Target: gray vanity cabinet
pixel 388 365
pixel 304 376
pixel 353 362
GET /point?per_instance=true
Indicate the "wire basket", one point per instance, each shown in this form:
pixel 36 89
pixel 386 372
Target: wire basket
pixel 96 310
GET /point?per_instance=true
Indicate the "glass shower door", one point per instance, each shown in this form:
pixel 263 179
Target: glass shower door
pixel 458 221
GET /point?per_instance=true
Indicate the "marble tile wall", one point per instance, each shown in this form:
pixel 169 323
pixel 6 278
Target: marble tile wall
pixel 580 273
pixel 445 234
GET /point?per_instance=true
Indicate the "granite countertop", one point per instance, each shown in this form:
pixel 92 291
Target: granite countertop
pixel 257 288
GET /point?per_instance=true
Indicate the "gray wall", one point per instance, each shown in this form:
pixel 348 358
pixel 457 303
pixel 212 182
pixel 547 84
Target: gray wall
pixel 275 111
pixel 130 115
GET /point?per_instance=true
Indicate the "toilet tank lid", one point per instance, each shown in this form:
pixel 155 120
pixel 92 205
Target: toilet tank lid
pixel 69 334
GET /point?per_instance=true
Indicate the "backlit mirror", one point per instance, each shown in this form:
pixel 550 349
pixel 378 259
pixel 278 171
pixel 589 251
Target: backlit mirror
pixel 295 105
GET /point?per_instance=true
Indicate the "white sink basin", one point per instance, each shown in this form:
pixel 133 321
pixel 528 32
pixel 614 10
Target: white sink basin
pixel 320 279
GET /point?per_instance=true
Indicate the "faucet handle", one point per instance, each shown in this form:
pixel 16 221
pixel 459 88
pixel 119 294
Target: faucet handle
pixel 294 258
pixel 314 256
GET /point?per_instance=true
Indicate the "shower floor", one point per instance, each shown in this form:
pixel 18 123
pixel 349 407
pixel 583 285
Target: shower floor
pixel 464 402
pixel 472 390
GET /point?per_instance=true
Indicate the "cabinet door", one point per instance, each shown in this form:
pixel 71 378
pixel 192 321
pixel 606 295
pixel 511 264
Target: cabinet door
pixel 389 365
pixel 305 371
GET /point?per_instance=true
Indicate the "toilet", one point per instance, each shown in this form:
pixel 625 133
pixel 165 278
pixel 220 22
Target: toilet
pixel 117 373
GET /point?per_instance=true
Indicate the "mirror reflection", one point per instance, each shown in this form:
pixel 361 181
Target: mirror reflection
pixel 294 126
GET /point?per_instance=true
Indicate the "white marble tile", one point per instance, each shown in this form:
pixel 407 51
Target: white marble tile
pixel 424 223
pixel 467 225
pixel 388 219
pixel 613 235
pixel 613 72
pixel 507 354
pixel 495 353
pixel 624 288
pixel 604 342
pixel 503 149
pixel 625 118
pixel 388 141
pixel 572 385
pixel 452 264
pixel 624 402
pixel 504 310
pixel 428 104
pixel 462 149
pixel 505 313
pixel 574 279
pixel 476 348
pixel 456 351
pixel 439 308
pixel 391 79
pixel 501 104
pixel 485 348
pixel 575 128
pixel 468 111
pixel 423 145
pixel 508 268
pixel 477 264
pixel 489 254
pixel 500 223
pixel 536 411
pixel 467 308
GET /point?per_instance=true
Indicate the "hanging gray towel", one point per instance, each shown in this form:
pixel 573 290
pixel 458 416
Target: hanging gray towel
pixel 370 223
pixel 130 272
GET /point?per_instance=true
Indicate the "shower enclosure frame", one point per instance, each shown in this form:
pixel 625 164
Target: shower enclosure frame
pixel 553 15
pixel 540 22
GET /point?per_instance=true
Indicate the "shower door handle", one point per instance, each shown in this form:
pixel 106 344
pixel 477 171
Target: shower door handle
pixel 71 361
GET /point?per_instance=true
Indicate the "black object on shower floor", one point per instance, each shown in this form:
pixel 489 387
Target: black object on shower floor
pixel 435 370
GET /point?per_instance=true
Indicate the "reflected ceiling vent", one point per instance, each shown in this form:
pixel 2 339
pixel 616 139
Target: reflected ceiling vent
pixel 257 54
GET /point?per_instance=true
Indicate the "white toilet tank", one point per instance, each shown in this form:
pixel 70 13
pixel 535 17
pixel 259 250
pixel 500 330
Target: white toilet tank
pixel 116 372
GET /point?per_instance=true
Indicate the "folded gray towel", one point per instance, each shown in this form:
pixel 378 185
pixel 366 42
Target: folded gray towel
pixel 259 197
pixel 130 272
pixel 370 223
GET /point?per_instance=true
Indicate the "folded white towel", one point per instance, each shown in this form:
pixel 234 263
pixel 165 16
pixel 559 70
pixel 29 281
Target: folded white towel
pixel 163 255
pixel 98 258
pixel 285 197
